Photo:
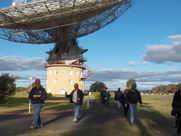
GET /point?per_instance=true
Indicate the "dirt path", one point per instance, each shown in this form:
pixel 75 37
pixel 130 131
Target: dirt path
pixel 19 124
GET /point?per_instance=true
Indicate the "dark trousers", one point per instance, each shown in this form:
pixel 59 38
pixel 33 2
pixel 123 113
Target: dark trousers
pixel 105 101
pixel 125 107
pixel 178 123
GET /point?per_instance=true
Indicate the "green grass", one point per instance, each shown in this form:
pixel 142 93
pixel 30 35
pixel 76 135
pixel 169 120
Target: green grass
pixel 154 120
pixel 154 117
pixel 20 103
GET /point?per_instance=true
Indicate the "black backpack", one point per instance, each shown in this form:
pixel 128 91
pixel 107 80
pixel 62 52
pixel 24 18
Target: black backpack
pixel 134 96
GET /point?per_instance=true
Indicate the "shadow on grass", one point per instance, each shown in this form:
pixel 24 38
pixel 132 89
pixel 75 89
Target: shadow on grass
pixel 105 122
pixel 156 123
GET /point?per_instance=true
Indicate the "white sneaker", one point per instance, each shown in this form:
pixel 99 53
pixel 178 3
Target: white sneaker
pixel 75 120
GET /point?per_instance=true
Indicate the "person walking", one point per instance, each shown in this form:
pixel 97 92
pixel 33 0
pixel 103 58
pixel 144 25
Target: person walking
pixel 133 97
pixel 37 96
pixel 176 109
pixel 117 97
pixel 120 97
pixel 76 97
pixel 105 95
pixel 126 108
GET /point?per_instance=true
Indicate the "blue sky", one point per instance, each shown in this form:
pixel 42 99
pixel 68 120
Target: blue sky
pixel 144 43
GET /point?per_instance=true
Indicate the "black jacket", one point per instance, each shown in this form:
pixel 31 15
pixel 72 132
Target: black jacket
pixel 176 103
pixel 133 97
pixel 37 95
pixel 80 96
pixel 119 96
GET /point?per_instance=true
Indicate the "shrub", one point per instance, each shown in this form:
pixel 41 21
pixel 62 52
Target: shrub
pixel 7 87
pixel 97 86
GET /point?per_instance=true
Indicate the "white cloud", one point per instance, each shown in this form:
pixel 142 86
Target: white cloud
pixel 175 37
pixel 133 63
pixel 165 53
pixel 115 78
pixel 19 63
pixel 141 76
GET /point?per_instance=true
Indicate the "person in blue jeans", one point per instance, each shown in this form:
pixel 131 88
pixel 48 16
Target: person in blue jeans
pixel 76 97
pixel 132 98
pixel 37 96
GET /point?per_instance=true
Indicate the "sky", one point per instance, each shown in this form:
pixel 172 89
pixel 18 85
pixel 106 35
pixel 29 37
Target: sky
pixel 144 43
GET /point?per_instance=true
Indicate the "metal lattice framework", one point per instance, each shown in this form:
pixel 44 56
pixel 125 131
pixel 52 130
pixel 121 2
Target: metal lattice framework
pixel 50 21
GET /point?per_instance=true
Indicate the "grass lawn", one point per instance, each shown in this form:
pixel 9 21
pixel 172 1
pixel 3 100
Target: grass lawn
pixel 20 103
pixel 154 117
pixel 154 120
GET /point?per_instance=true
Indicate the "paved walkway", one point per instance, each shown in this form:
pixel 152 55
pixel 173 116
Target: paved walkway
pixel 19 124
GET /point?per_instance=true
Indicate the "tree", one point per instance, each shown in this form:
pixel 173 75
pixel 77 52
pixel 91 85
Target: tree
pixel 7 87
pixel 97 86
pixel 130 83
pixel 170 88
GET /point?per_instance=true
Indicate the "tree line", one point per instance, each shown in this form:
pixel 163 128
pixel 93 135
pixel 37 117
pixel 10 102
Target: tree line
pixel 170 88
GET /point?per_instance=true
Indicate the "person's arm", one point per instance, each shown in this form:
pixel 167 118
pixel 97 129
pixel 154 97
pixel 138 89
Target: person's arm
pixel 44 94
pixel 81 96
pixel 30 95
pixel 140 99
pixel 173 102
pixel 127 96
pixel 68 95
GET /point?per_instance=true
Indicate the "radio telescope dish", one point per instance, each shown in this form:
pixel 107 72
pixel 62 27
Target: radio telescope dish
pixel 60 22
pixel 46 21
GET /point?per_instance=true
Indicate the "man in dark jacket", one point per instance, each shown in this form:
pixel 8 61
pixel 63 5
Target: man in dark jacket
pixel 176 108
pixel 119 96
pixel 105 95
pixel 132 98
pixel 37 96
pixel 76 97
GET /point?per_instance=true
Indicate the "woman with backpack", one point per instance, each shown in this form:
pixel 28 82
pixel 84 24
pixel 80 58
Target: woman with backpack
pixel 132 98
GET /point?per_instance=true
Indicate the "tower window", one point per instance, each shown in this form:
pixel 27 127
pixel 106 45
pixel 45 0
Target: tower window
pixel 50 72
pixel 70 81
pixel 55 81
pixel 71 72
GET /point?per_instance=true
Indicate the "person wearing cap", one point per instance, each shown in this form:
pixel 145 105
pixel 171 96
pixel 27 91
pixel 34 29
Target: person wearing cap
pixel 37 96
pixel 176 109
pixel 76 97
